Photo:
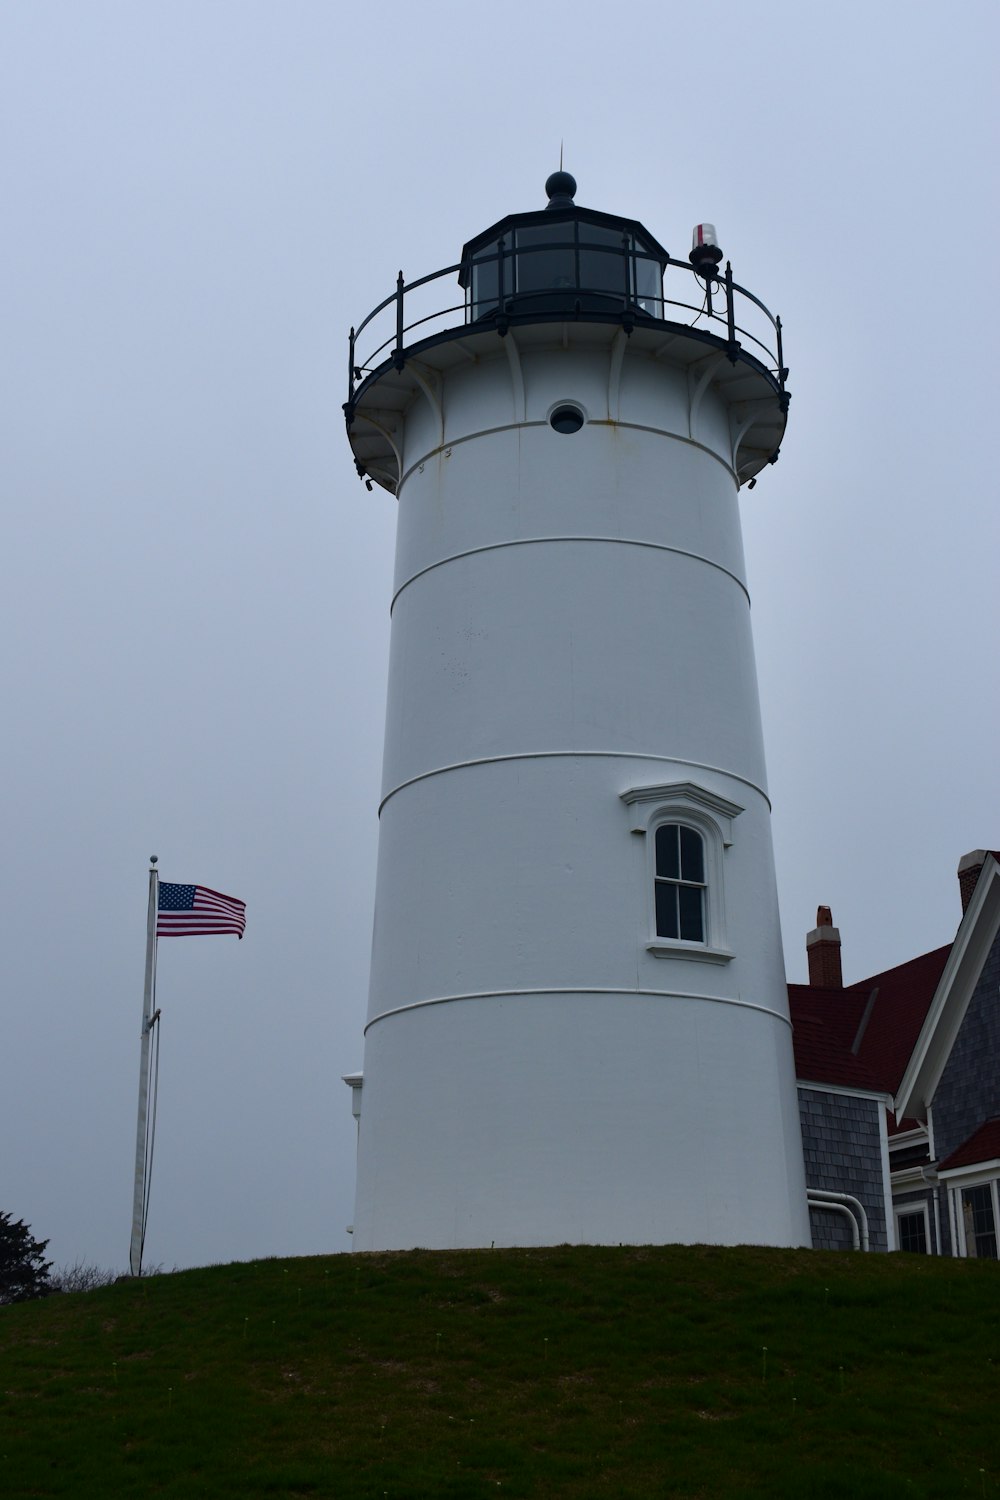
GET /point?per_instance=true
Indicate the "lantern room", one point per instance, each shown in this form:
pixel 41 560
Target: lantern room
pixel 562 259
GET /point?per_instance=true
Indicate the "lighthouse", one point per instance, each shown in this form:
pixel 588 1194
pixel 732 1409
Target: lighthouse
pixel 577 1027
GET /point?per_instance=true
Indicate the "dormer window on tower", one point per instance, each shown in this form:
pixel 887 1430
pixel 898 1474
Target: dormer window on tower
pixel 687 829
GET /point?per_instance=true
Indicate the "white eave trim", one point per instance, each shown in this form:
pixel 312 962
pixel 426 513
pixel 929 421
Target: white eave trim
pixel 973 1169
pixel 908 1179
pixel 840 1088
pixel 969 952
pixel 355 1082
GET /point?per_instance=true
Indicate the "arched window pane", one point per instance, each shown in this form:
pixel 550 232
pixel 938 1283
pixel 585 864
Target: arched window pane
pixel 667 923
pixel 692 856
pixel 667 853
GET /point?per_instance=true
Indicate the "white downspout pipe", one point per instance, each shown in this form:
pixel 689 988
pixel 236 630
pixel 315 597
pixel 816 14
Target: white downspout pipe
pixel 828 1199
pixel 839 1208
pixel 854 1203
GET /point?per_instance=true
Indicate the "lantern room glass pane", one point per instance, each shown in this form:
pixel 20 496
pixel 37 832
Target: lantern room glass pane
pixel 484 298
pixel 603 267
pixel 540 269
pixel 484 288
pixel 648 282
pixel 601 234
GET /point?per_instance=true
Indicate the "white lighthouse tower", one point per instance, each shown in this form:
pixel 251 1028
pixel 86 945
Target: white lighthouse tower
pixel 578 1026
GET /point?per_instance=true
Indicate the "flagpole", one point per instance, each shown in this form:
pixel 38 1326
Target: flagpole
pixel 139 1192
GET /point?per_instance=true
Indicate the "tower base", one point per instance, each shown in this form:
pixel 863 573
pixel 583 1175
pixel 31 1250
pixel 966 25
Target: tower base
pixel 513 1120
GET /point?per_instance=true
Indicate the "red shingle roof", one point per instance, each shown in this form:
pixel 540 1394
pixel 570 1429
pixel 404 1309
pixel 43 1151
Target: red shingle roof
pixel 826 1023
pixel 983 1145
pixel 821 1055
pixel 901 1005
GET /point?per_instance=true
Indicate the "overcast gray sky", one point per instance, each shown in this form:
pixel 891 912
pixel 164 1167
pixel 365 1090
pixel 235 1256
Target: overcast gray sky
pixel 200 198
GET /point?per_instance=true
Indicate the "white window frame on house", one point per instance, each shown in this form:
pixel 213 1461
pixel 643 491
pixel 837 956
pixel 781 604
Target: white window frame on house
pixel 957 1184
pixel 687 805
pixel 918 1208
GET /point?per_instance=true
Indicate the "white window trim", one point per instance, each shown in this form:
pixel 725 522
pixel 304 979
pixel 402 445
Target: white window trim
pixel 708 814
pixel 891 1237
pixel 969 1177
pixel 902 1209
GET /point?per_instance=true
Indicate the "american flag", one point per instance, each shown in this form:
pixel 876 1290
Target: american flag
pixel 186 910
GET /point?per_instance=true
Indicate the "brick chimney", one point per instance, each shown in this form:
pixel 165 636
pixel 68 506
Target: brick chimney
pixel 970 868
pixel 823 952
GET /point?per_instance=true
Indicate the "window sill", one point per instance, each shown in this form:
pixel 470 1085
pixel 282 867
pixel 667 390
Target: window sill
pixel 666 948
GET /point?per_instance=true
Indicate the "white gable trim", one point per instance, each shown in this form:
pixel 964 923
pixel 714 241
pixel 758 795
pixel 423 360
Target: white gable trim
pixel 970 950
pixel 891 1228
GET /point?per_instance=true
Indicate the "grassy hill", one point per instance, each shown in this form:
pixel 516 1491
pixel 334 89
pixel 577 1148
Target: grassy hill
pixel 631 1372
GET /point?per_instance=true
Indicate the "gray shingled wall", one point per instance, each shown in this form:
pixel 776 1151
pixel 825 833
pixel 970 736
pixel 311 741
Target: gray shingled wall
pixel 969 1091
pixel 842 1146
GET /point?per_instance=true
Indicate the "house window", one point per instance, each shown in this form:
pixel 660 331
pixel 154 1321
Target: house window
pixel 979 1222
pixel 911 1229
pixel 679 886
pixel 686 829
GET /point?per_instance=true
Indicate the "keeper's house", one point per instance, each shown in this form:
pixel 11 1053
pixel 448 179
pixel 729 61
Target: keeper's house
pixel 899 1086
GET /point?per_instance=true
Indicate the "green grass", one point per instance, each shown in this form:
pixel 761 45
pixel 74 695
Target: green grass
pixel 695 1372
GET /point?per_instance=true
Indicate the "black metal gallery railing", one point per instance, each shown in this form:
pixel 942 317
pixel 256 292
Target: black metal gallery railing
pixel 629 285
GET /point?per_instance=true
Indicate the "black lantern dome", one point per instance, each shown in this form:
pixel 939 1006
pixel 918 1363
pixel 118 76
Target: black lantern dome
pixel 561 188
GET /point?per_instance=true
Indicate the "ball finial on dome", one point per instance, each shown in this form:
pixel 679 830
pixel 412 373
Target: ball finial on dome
pixel 560 187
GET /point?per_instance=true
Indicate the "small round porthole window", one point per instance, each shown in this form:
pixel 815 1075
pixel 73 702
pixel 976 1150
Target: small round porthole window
pixel 566 418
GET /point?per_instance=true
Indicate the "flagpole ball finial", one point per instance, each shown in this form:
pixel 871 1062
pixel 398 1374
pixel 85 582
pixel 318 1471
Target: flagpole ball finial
pixel 152 859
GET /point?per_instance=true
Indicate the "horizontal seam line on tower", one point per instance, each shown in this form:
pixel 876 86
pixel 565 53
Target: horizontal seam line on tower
pixel 636 755
pixel 531 541
pixel 470 437
pixel 578 990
